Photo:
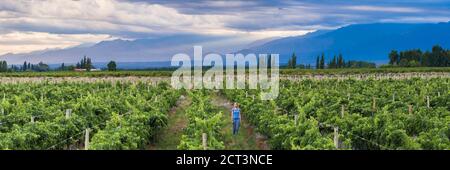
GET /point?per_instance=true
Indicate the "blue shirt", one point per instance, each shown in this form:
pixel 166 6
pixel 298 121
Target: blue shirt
pixel 236 112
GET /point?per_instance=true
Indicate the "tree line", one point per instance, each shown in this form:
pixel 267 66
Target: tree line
pixel 339 62
pixel 334 63
pixel 437 57
pixel 35 67
pixel 84 63
pixel 25 67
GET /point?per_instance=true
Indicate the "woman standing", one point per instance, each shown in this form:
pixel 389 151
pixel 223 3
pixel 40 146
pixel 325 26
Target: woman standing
pixel 236 118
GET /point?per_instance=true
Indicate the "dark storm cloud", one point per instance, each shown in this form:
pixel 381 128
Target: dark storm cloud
pixel 248 20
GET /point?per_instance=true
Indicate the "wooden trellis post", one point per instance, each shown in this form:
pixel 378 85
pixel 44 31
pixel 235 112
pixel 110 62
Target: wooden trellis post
pixel 428 101
pixel 409 109
pixel 204 141
pixel 439 94
pixel 342 111
pixel 68 113
pixel 32 119
pixel 296 119
pixel 393 97
pixel 374 104
pixel 86 139
pixel 336 137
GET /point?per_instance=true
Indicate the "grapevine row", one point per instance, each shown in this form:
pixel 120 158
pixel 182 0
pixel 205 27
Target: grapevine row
pixel 54 116
pixel 353 114
pixel 204 122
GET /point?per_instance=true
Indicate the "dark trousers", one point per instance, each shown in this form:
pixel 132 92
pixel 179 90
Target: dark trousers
pixel 236 123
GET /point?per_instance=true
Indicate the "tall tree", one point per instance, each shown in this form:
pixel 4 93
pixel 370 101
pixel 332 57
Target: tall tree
pixel 83 62
pixel 89 64
pixel 294 60
pixel 317 63
pixel 333 63
pixel 112 66
pixel 3 66
pixel 341 61
pixel 438 56
pixel 289 64
pixel 24 67
pixel 393 57
pixel 322 61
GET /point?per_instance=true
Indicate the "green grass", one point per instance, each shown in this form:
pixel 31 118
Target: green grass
pixel 244 140
pixel 169 137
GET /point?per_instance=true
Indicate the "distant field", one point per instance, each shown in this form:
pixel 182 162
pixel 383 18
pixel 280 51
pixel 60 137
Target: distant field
pixel 88 74
pixel 364 70
pixel 167 73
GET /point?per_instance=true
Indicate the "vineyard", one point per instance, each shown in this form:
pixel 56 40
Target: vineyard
pixel 60 116
pixel 351 114
pixel 308 114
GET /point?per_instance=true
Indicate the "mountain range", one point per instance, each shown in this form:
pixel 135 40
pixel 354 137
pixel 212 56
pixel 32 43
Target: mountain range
pixel 366 42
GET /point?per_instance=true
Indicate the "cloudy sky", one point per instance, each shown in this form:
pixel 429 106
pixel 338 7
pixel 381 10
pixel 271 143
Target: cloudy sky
pixel 29 25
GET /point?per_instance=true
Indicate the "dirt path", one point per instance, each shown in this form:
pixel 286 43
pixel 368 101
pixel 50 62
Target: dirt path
pixel 247 138
pixel 169 137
